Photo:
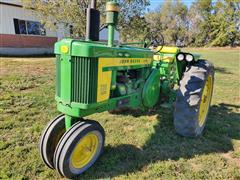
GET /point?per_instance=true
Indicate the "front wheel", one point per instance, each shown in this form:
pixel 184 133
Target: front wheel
pixel 50 138
pixel 79 148
pixel 194 99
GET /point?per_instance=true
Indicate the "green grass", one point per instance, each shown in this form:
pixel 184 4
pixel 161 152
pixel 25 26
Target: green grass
pixel 143 146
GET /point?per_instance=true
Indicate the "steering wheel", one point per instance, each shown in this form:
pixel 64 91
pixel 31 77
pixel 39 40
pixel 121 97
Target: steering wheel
pixel 153 40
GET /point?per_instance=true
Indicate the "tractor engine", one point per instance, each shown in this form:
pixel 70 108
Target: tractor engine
pixel 128 82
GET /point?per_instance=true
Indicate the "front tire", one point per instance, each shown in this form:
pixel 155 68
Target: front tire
pixel 50 138
pixel 79 148
pixel 194 99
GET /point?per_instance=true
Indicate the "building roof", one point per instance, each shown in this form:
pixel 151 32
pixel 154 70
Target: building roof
pixel 17 3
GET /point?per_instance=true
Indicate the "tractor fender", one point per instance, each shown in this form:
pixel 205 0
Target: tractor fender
pixel 151 89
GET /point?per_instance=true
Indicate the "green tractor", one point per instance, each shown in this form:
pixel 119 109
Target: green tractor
pixel 94 76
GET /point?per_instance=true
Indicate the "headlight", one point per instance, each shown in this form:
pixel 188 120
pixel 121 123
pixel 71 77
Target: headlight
pixel 189 57
pixel 180 57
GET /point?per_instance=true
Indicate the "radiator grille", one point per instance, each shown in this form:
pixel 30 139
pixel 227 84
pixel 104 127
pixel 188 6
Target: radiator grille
pixel 84 72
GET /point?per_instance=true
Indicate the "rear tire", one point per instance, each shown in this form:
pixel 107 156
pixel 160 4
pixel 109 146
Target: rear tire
pixel 194 99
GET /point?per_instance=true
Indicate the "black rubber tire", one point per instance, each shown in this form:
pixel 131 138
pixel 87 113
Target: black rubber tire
pixel 49 139
pixel 69 141
pixel 189 98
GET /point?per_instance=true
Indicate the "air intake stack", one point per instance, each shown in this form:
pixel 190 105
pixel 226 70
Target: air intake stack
pixel 112 11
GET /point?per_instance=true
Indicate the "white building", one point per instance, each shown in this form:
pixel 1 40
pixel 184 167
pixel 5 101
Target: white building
pixel 22 34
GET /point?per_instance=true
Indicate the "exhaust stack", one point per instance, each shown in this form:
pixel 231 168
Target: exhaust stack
pixel 93 22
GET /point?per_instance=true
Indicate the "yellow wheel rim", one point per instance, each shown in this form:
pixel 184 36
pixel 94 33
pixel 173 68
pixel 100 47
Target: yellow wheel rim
pixel 205 101
pixel 84 150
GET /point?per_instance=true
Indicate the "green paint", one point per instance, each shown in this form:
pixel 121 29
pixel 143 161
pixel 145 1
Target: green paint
pixel 135 86
pixel 151 89
pixel 111 21
pixel 119 68
pixel 77 77
pixel 66 87
pixel 110 35
pixel 81 110
pixel 90 49
pixel 68 122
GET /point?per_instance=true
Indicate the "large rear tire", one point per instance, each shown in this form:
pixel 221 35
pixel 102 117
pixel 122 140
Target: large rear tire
pixel 194 99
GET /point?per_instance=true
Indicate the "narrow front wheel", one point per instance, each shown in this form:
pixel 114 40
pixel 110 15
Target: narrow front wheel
pixel 50 138
pixel 79 148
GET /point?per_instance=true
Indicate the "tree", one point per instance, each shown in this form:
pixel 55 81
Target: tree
pixel 180 12
pixel 61 12
pixel 170 19
pixel 134 30
pixel 199 18
pixel 205 23
pixel 225 23
pixel 132 23
pixel 66 12
pixel 214 24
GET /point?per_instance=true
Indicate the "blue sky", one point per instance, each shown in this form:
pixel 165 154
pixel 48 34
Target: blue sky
pixel 155 3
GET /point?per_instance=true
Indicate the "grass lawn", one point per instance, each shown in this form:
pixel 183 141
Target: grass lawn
pixel 137 147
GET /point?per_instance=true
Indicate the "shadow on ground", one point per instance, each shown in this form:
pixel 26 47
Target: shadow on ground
pixel 221 70
pixel 222 126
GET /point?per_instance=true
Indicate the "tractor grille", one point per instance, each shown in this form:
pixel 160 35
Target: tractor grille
pixel 84 72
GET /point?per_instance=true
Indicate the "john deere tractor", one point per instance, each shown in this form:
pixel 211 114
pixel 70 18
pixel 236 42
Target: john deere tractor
pixel 94 76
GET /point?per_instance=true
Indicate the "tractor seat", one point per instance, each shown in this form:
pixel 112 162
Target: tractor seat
pixel 166 54
pixel 167 49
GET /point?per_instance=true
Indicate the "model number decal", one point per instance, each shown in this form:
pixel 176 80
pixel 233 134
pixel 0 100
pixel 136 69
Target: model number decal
pixel 124 61
pixel 133 61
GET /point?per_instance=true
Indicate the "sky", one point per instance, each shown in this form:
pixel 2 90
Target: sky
pixel 155 3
